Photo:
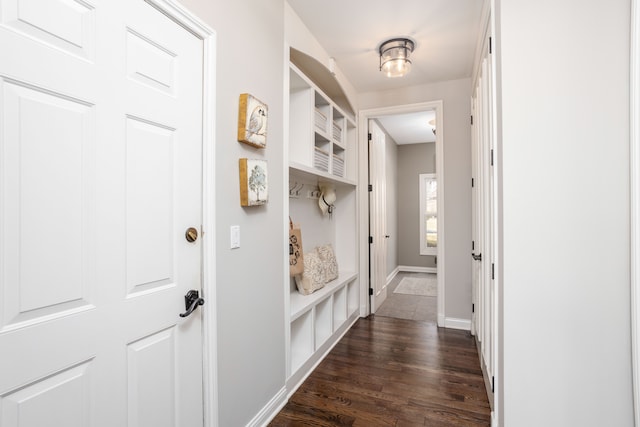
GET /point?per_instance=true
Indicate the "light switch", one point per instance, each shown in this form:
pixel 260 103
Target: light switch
pixel 235 236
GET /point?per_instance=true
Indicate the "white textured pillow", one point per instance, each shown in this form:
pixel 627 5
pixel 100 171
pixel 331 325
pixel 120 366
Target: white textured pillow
pixel 313 277
pixel 328 258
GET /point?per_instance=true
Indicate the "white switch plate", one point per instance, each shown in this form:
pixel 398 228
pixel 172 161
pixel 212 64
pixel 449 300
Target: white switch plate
pixel 235 236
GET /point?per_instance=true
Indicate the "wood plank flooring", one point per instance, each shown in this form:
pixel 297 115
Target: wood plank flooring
pixel 393 372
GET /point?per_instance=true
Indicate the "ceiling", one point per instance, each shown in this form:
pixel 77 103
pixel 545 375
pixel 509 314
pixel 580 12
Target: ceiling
pixel 445 32
pixel 410 128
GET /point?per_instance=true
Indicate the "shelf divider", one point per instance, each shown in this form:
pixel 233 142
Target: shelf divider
pixel 300 304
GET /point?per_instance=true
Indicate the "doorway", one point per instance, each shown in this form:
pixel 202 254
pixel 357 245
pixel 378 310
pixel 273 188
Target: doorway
pixel 385 278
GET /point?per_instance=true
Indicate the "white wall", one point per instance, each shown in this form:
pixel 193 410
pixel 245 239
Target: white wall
pixel 299 37
pixel 250 306
pixel 455 95
pixel 564 96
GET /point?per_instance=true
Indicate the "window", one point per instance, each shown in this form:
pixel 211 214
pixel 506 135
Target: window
pixel 428 214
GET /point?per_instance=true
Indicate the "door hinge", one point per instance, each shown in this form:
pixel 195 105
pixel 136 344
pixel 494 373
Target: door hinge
pixel 370 188
pixel 492 157
pixel 370 291
pixel 370 239
pixel 493 384
pixel 473 308
pixel 472 182
pixel 472 120
pixel 493 275
pixel 369 136
pixel 490 45
pixel 473 245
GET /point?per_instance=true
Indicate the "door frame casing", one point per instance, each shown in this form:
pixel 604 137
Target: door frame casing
pixel 363 196
pixel 178 13
pixel 634 140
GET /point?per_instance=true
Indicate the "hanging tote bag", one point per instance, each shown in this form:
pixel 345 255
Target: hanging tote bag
pixel 296 262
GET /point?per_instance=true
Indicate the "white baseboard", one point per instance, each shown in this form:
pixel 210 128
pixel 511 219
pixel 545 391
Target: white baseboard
pixel 453 323
pixel 270 410
pixel 412 269
pixel 393 274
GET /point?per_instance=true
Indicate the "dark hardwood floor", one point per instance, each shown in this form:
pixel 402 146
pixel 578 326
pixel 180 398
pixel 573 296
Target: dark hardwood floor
pixel 393 372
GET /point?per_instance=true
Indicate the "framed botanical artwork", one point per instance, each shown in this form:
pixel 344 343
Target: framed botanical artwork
pixel 254 189
pixel 252 121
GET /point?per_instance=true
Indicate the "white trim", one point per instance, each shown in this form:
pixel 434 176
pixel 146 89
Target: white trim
pixel 412 269
pixel 635 203
pixel 188 20
pixel 209 288
pixel 285 208
pixel 392 275
pixel 422 206
pixel 487 7
pixel 453 323
pixel 270 410
pixel 177 12
pixel 363 209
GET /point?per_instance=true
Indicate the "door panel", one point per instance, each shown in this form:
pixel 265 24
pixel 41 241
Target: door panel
pixel 66 391
pixel 150 251
pixel 152 373
pixel 64 24
pixel 101 174
pixel 150 63
pixel 45 280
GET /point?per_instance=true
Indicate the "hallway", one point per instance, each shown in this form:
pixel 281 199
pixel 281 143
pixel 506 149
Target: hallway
pixel 393 372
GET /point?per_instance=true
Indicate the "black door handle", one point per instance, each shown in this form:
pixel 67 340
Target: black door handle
pixel 191 301
pixel 477 257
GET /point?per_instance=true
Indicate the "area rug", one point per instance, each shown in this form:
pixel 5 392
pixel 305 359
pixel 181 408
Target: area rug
pixel 425 286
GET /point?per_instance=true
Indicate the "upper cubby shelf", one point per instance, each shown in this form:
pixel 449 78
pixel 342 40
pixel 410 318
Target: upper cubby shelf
pixel 322 138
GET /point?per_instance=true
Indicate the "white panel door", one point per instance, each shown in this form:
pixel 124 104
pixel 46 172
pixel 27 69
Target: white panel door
pixel 100 176
pixel 377 216
pixel 488 218
pixel 484 207
pixel 477 217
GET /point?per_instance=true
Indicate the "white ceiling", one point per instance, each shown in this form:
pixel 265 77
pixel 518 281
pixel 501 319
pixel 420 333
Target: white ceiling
pixel 411 128
pixel 445 32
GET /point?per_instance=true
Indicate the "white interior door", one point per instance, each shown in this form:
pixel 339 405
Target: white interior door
pixel 477 235
pixel 489 210
pixel 101 174
pixel 377 215
pixel 484 216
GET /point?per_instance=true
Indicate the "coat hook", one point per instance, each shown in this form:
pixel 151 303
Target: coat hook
pixel 292 192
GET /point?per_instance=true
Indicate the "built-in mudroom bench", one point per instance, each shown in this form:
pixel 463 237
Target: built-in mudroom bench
pixel 322 147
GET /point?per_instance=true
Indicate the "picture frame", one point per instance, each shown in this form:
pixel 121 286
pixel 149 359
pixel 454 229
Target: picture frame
pixel 254 182
pixel 252 121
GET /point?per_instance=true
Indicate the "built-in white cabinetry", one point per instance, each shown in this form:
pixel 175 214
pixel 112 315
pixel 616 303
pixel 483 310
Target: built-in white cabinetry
pixel 322 138
pixel 322 151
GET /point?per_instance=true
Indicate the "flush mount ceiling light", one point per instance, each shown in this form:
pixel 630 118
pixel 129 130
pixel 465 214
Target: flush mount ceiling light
pixel 394 57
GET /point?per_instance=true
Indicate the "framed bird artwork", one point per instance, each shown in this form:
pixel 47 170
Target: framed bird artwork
pixel 252 121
